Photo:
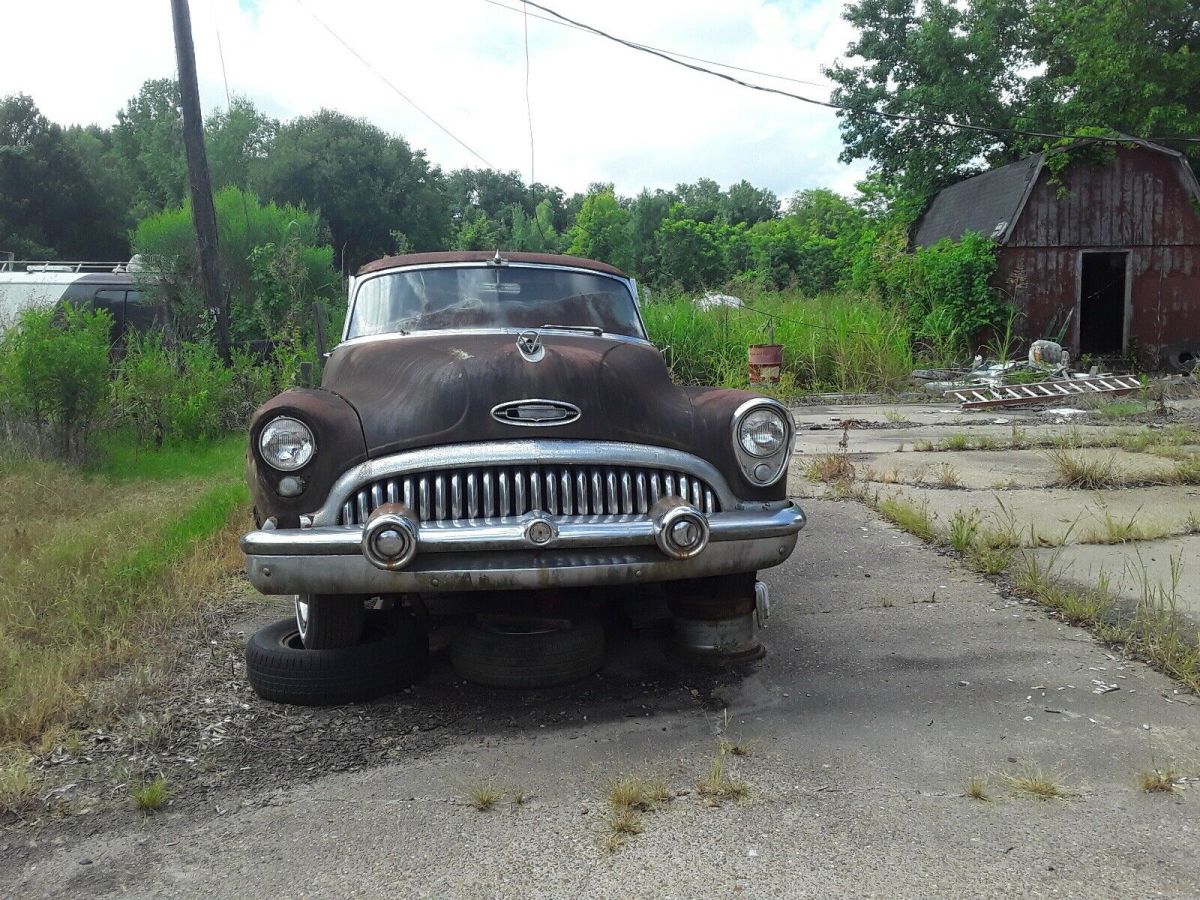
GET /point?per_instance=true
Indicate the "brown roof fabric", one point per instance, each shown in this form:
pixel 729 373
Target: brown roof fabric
pixel 475 256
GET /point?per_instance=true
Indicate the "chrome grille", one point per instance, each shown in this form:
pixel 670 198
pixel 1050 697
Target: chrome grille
pixel 495 491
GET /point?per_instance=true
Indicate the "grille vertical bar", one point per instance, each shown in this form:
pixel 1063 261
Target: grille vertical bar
pixel 497 491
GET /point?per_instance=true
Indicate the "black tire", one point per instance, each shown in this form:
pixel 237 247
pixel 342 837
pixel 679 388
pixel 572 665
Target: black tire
pixel 392 656
pixel 509 655
pixel 332 620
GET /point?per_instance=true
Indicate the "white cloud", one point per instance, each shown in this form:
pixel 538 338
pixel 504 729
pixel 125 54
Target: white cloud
pixel 601 112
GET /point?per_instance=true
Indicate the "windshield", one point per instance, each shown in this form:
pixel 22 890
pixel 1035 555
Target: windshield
pixel 492 297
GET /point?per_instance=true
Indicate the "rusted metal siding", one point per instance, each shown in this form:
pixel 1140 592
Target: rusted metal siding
pixel 1140 203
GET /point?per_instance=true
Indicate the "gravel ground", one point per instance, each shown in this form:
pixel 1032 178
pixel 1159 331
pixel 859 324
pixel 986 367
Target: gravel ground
pixel 892 677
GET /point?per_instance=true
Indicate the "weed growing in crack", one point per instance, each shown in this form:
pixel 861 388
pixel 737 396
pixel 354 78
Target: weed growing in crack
pixel 1037 785
pixel 1158 781
pixel 483 795
pixel 717 785
pixel 977 788
pixel 963 530
pixel 1075 470
pixel 912 517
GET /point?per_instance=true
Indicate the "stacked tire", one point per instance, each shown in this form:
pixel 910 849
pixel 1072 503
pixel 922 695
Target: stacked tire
pixel 391 653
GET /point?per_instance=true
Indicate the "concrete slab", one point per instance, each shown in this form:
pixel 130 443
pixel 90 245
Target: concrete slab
pixel 897 438
pixel 998 469
pixel 1150 570
pixel 878 699
pixel 1059 515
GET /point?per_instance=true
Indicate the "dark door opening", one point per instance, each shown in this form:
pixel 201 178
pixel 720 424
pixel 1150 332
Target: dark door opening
pixel 1102 303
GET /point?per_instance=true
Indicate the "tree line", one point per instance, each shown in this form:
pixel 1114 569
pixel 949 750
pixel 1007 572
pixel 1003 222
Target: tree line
pixel 81 192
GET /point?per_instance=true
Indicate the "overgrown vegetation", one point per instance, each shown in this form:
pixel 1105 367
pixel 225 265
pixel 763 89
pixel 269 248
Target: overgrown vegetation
pixel 97 568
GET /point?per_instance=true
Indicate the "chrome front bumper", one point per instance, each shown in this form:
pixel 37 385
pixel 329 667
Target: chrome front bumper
pixel 500 554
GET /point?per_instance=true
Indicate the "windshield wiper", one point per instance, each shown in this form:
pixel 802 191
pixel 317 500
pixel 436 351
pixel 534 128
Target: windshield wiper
pixel 594 329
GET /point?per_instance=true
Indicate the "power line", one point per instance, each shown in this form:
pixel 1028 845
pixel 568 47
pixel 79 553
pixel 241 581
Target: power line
pixel 701 59
pixel 537 222
pixel 829 104
pixel 407 99
pixel 528 105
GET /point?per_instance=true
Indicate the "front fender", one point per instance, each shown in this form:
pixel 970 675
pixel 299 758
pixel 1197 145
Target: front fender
pixel 713 410
pixel 340 444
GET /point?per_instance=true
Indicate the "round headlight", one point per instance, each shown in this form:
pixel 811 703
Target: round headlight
pixel 286 444
pixel 762 432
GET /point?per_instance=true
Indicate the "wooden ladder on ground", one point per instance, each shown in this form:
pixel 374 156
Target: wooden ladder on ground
pixel 982 396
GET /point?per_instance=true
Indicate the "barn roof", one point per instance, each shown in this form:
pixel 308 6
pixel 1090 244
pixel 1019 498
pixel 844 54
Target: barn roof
pixel 986 204
pixel 991 203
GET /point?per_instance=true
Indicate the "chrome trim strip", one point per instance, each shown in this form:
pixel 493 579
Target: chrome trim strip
pixel 523 452
pixel 509 533
pixel 444 572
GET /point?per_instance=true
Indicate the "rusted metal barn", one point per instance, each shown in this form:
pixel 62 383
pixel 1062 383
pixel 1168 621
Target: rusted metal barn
pixel 1110 248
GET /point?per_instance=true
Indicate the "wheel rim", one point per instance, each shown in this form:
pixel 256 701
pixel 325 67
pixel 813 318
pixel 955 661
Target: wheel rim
pixel 302 615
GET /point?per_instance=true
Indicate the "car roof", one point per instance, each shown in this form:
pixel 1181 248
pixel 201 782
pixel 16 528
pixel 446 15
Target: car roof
pixel 478 256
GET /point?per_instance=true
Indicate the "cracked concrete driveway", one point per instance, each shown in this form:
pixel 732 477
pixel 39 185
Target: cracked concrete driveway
pixel 893 677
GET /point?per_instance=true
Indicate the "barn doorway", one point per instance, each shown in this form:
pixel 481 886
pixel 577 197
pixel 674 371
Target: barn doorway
pixel 1103 290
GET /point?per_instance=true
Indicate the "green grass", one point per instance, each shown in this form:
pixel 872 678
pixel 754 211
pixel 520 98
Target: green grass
pixel 833 342
pixel 150 795
pixel 122 460
pixel 912 517
pixel 96 568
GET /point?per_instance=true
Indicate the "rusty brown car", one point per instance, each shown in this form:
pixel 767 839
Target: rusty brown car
pixel 492 424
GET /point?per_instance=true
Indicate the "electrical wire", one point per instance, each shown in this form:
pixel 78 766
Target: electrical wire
pixel 829 104
pixel 528 105
pixel 407 99
pixel 537 222
pixel 700 59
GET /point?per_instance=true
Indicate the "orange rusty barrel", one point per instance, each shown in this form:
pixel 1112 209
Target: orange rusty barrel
pixel 766 361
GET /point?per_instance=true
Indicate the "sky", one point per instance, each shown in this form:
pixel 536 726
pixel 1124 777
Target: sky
pixel 601 112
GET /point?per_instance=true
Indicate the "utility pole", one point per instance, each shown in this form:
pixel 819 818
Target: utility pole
pixel 204 216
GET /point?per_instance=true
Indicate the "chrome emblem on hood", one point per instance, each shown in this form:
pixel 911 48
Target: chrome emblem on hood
pixel 530 345
pixel 536 412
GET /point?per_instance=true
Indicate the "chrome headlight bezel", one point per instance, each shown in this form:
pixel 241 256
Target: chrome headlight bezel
pixel 307 445
pixel 763 470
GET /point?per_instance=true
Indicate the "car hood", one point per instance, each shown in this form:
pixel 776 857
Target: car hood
pixel 416 391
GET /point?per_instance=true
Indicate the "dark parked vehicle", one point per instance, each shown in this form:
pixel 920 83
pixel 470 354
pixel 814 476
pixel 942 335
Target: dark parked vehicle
pixel 495 424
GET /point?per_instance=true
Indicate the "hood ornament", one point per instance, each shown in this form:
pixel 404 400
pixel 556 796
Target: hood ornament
pixel 530 345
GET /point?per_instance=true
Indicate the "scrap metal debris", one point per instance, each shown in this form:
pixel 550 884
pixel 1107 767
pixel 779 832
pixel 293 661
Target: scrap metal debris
pixel 982 397
pixel 1046 376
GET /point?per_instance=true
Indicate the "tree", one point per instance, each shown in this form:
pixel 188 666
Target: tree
pixel 534 232
pixel 148 138
pixel 112 188
pixel 48 207
pixel 274 259
pixel 701 201
pixel 647 211
pixel 601 230
pixel 478 231
pixel 365 183
pixel 237 138
pixel 743 202
pixel 824 212
pixel 1130 67
pixel 936 59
